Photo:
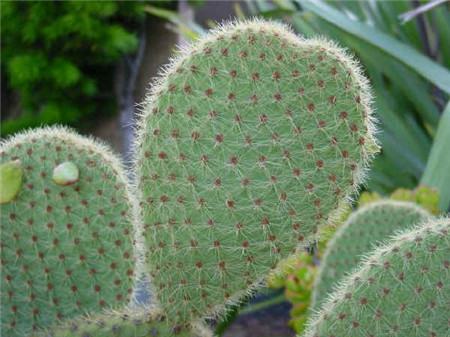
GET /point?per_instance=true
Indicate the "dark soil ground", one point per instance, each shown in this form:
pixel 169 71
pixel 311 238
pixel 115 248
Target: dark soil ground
pixel 271 322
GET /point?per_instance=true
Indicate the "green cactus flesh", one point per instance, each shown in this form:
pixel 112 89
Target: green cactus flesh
pixel 11 175
pixel 248 142
pixel 402 289
pixel 365 229
pixel 125 323
pixel 65 250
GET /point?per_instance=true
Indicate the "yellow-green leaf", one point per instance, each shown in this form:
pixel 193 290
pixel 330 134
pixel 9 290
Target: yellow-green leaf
pixel 11 175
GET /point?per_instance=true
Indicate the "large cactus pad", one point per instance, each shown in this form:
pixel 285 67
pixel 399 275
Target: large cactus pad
pixel 248 142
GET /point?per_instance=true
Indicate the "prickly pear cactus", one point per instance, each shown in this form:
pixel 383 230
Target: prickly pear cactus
pixel 124 323
pixel 66 244
pixel 248 142
pixel 402 289
pixel 360 234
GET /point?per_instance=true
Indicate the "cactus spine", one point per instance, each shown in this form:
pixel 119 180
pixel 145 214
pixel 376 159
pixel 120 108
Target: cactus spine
pixel 402 289
pixel 65 249
pixel 364 229
pixel 248 142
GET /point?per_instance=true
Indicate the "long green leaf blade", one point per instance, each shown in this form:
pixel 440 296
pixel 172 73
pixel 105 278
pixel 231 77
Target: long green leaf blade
pixel 430 70
pixel 189 29
pixel 437 171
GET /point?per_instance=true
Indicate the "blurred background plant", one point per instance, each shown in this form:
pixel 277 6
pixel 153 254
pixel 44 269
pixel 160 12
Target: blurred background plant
pixel 297 278
pixel 76 62
pixel 58 59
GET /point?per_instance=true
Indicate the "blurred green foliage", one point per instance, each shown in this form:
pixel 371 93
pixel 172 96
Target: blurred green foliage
pixel 59 58
pixel 297 275
pixel 427 197
pixel 437 172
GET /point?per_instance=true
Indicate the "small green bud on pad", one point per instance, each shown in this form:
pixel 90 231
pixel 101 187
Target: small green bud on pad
pixel 65 173
pixel 11 175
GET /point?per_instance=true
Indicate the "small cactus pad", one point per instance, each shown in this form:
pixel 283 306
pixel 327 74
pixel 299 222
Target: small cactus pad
pixel 125 323
pixel 11 175
pixel 402 289
pixel 65 250
pixel 359 235
pixel 248 142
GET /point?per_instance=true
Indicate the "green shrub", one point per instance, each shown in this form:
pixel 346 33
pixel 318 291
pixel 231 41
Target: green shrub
pixel 59 57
